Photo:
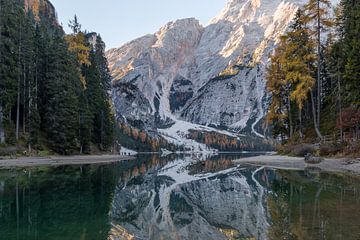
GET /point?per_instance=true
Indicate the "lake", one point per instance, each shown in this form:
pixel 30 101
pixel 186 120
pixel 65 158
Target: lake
pixel 177 197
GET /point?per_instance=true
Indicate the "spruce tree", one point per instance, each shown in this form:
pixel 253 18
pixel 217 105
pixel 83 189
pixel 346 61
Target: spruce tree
pixel 105 113
pixel 61 103
pixel 9 68
pixel 351 43
pixel 98 87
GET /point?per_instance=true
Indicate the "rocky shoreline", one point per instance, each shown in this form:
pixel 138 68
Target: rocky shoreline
pixel 343 165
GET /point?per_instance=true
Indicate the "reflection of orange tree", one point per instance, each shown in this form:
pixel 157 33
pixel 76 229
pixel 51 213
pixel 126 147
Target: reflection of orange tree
pixel 281 226
pixel 140 167
pixel 211 165
pixel 140 140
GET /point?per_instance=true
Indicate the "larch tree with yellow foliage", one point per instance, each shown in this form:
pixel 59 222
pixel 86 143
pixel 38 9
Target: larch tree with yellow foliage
pixel 290 79
pixel 78 46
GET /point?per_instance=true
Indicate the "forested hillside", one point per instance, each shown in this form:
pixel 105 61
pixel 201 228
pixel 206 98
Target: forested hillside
pixel 314 78
pixel 54 88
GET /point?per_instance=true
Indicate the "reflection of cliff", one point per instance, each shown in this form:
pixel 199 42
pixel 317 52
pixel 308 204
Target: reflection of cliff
pixel 170 203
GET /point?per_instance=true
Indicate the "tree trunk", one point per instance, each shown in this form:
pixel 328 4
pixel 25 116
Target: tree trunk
pixel 102 131
pixel 18 110
pixel 318 133
pixel 81 140
pixel 18 88
pixel 319 64
pixel 2 131
pixel 300 124
pixel 30 102
pixel 290 117
pixel 24 100
pixel 340 106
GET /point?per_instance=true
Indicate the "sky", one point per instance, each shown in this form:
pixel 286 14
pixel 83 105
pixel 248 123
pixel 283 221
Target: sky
pixel 120 21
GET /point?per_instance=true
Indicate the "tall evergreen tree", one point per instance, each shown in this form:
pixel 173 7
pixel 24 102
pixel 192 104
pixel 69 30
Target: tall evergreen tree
pixel 105 117
pixel 60 99
pixel 43 88
pixel 351 41
pixel 98 87
pixel 318 15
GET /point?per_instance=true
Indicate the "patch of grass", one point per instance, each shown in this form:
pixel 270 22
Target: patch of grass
pixel 43 153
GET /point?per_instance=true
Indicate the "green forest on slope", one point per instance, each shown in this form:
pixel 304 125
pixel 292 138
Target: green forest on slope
pixel 54 88
pixel 314 78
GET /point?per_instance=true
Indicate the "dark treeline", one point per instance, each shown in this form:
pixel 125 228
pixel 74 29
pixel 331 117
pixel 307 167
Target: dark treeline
pixel 314 75
pixel 54 88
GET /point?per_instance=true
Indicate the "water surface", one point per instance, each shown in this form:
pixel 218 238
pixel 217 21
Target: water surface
pixel 177 197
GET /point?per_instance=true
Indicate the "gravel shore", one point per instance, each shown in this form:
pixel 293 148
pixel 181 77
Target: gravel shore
pixel 344 165
pixel 58 161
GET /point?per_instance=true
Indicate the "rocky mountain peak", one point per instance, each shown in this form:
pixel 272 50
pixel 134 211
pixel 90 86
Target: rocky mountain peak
pixel 211 75
pixel 41 8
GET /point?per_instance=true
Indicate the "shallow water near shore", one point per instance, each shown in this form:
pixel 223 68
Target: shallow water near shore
pixel 177 197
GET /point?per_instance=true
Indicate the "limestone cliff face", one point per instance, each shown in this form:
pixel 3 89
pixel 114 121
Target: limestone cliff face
pixel 211 75
pixel 40 9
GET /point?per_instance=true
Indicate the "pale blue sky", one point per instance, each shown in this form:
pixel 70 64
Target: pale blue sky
pixel 119 21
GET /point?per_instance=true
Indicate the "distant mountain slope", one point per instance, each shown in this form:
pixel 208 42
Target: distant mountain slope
pixel 211 75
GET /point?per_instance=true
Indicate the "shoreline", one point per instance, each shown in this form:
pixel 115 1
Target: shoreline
pixel 62 160
pixel 341 165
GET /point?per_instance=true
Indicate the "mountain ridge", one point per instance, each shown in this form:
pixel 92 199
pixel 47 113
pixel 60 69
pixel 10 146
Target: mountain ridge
pixel 212 75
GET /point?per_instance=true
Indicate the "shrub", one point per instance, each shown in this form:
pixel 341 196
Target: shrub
pixel 299 150
pixel 10 151
pixel 330 149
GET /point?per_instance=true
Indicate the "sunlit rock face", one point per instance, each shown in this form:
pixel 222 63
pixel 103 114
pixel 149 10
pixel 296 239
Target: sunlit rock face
pixel 42 9
pixel 170 203
pixel 211 75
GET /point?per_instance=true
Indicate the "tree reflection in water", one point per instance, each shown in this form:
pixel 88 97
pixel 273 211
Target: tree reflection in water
pixel 177 197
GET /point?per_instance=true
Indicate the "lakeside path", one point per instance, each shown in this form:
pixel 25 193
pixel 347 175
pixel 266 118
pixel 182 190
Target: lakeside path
pixel 344 165
pixel 62 160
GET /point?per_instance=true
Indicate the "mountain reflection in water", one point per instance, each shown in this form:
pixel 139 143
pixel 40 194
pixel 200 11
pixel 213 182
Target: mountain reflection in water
pixel 177 197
